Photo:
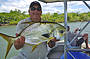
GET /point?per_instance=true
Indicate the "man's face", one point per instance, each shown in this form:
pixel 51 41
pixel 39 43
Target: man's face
pixel 35 13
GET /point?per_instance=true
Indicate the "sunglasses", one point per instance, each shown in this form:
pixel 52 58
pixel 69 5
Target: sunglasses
pixel 33 9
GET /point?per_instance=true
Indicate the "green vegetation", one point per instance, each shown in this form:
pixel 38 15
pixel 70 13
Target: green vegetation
pixel 72 17
pixel 15 16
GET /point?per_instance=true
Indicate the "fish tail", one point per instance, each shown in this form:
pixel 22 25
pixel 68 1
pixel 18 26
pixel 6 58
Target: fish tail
pixel 10 41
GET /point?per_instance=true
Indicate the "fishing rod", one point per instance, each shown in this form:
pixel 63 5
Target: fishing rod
pixel 79 32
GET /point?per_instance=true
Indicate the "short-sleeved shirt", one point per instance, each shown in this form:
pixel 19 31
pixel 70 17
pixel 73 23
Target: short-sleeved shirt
pixel 39 52
pixel 71 35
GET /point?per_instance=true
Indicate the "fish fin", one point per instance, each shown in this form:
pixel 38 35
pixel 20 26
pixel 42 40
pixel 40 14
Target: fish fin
pixel 61 34
pixel 29 44
pixel 8 49
pixel 35 46
pixel 6 37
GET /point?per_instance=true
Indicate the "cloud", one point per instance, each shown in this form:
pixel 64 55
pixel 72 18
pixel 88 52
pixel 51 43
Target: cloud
pixel 14 4
pixel 78 6
pixel 51 10
pixel 75 6
pixel 51 7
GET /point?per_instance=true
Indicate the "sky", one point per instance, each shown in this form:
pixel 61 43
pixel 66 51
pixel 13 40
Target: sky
pixel 57 7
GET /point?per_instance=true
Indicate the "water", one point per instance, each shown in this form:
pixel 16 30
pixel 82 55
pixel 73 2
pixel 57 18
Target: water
pixel 11 30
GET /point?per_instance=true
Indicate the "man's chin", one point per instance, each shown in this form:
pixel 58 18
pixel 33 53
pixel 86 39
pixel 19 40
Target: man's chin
pixel 36 20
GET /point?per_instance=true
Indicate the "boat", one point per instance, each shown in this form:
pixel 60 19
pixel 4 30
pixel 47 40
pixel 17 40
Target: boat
pixel 57 51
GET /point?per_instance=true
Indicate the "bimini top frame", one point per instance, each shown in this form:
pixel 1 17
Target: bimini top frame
pixel 65 24
pixel 50 1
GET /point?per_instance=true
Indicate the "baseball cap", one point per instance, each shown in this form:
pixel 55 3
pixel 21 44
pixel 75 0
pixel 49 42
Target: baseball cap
pixel 34 3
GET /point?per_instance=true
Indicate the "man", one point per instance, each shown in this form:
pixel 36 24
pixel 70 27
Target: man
pixel 77 42
pixel 81 40
pixel 35 12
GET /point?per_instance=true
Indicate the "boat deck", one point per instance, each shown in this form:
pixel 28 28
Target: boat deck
pixel 58 51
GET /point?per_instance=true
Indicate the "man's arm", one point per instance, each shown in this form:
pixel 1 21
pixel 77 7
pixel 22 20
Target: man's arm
pixel 19 43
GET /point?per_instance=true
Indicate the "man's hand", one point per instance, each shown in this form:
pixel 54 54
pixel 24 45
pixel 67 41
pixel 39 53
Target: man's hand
pixel 77 29
pixel 85 36
pixel 52 43
pixel 19 43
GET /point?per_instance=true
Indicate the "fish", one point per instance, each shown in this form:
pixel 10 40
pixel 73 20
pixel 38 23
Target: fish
pixel 60 30
pixel 32 33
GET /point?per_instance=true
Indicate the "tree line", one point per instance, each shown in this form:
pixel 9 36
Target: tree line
pixel 13 17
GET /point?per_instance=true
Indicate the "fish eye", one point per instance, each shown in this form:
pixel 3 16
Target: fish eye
pixel 61 31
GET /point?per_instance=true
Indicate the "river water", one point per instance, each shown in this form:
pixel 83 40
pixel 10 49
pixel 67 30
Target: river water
pixel 11 30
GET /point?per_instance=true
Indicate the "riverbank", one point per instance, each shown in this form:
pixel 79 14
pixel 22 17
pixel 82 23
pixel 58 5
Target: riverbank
pixel 7 24
pixel 59 22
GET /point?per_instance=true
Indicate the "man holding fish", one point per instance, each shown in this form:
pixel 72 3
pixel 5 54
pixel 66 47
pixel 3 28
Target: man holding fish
pixel 35 12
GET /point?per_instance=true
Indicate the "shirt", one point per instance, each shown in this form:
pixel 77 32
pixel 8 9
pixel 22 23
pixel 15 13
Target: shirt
pixel 71 35
pixel 41 50
pixel 38 29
